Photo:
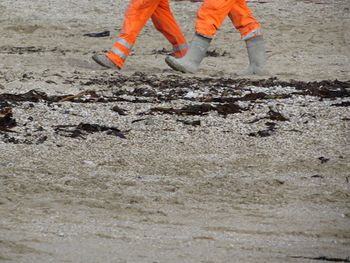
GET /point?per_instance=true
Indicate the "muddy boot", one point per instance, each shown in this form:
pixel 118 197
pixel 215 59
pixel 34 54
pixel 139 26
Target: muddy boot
pixel 257 56
pixel 104 61
pixel 191 61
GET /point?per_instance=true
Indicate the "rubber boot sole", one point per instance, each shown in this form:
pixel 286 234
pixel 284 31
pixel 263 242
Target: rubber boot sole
pixel 100 62
pixel 174 64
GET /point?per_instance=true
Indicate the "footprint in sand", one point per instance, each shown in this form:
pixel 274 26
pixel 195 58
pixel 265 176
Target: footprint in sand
pixel 80 63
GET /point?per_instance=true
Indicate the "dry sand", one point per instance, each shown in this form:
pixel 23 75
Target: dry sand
pixel 172 191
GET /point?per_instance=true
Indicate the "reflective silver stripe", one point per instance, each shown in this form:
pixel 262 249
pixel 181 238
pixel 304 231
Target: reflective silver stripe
pixel 179 48
pixel 119 53
pixel 124 43
pixel 256 32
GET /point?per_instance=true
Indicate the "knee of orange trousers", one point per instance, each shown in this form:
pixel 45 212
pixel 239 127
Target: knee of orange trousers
pixel 165 23
pixel 211 15
pixel 170 29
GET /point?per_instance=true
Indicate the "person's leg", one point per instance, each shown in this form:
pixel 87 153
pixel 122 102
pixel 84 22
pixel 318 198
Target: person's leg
pixel 165 23
pixel 209 18
pixel 250 30
pixel 136 16
pixel 243 20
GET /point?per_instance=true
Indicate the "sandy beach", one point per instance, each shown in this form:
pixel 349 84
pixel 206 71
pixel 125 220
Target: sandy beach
pixel 150 165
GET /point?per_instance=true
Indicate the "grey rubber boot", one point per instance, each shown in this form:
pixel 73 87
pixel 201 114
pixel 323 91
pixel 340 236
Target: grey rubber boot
pixel 194 56
pixel 257 56
pixel 104 61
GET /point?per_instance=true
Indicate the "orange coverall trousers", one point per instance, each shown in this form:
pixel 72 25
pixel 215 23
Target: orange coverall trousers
pixel 136 16
pixel 213 12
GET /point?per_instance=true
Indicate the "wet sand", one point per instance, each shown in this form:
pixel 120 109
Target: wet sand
pixel 205 168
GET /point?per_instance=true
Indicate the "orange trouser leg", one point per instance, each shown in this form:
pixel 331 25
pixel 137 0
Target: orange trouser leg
pixel 165 23
pixel 211 15
pixel 243 20
pixel 136 16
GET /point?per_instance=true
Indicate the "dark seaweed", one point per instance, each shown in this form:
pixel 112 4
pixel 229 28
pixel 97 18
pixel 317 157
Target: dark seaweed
pixel 81 130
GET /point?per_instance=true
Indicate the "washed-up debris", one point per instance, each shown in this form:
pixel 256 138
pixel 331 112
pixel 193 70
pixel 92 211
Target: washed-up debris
pixel 323 159
pixel 323 258
pixel 203 238
pixel 9 139
pixel 106 33
pixel 276 116
pixel 6 120
pixel 201 95
pixel 266 132
pixel 6 138
pixel 215 53
pixel 172 87
pixel 4 104
pixel 82 129
pixel 50 82
pixel 33 49
pixel 324 89
pixel 342 104
pixel 32 96
pixel 42 139
pixel 192 123
pixel 201 109
pixel 20 50
pixel 138 120
pixel 88 95
pixel 120 111
pixel 38 96
pixel 228 108
pixel 162 51
pixel 131 100
pixel 271 115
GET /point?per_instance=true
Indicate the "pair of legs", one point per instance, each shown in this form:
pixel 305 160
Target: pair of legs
pixel 136 16
pixel 209 19
pixel 212 13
